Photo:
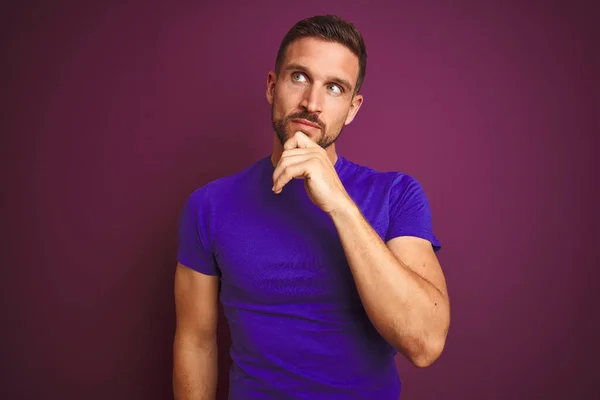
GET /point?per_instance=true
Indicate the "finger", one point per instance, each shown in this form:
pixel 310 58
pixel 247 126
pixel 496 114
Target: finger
pixel 299 140
pixel 300 150
pixel 297 170
pixel 289 172
pixel 287 161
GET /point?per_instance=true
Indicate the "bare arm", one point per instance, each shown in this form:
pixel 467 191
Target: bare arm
pixel 400 283
pixel 195 345
pixel 401 286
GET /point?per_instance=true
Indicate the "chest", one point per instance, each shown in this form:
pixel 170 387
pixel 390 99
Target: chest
pixel 284 250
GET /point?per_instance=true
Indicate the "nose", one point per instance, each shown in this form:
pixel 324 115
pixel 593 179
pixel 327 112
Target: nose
pixel 312 101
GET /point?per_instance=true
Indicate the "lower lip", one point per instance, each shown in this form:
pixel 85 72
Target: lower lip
pixel 303 124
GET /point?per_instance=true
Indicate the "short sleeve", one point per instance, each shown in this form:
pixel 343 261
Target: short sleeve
pixel 410 213
pixel 194 235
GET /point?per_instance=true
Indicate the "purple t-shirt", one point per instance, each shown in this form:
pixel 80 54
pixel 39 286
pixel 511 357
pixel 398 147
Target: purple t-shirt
pixel 298 327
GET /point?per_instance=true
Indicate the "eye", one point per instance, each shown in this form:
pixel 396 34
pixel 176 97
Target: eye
pixel 298 77
pixel 335 88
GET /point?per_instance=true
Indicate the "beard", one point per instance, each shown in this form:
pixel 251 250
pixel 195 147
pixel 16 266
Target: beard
pixel 280 127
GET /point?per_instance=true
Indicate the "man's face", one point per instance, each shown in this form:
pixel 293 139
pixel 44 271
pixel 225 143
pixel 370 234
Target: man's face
pixel 314 91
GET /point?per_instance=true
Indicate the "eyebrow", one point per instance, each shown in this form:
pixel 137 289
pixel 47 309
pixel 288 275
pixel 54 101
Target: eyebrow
pixel 340 81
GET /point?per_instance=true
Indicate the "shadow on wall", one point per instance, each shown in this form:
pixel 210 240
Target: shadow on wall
pixel 218 153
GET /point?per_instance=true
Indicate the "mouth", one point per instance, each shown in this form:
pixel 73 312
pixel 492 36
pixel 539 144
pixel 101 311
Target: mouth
pixel 306 123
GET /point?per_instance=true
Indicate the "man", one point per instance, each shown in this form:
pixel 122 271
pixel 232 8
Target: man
pixel 325 268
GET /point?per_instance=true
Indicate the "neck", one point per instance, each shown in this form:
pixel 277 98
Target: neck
pixel 278 150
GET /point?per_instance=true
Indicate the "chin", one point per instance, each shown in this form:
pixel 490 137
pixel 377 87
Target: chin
pixel 308 132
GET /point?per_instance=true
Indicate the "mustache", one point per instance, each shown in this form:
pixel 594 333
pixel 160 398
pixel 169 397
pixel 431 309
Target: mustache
pixel 314 118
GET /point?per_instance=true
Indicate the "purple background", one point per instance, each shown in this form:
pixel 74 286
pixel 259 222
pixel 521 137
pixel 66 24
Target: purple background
pixel 113 114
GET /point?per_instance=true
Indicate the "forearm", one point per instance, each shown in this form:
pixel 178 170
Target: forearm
pixel 195 370
pixel 408 311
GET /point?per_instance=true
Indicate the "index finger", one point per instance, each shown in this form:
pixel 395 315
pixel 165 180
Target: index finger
pixel 299 140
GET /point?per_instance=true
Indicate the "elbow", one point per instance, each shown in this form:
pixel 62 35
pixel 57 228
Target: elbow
pixel 195 340
pixel 423 353
pixel 427 356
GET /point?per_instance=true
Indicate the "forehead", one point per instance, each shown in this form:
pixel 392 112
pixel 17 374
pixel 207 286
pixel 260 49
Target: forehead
pixel 323 58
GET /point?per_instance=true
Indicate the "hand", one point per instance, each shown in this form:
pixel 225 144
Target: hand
pixel 304 159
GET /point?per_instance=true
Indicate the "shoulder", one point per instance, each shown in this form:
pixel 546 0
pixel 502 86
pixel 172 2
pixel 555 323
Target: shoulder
pixel 394 181
pixel 224 187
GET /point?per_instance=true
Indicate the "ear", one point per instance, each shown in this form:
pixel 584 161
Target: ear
pixel 357 101
pixel 271 80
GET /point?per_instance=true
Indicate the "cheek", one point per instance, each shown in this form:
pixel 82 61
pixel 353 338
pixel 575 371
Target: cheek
pixel 290 94
pixel 339 114
pixel 284 102
pixel 278 103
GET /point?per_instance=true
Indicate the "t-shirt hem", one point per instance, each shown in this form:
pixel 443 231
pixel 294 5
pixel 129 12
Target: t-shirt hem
pixel 198 268
pixel 420 234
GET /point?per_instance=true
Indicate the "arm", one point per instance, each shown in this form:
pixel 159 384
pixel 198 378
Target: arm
pixel 195 345
pixel 401 286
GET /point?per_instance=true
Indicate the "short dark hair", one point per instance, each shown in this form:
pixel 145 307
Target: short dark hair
pixel 330 28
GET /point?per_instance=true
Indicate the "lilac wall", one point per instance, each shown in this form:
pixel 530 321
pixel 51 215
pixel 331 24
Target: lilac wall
pixel 112 115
